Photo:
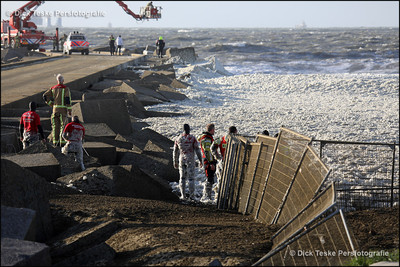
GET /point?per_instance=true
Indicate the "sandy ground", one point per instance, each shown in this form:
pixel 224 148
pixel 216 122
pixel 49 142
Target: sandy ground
pixel 159 233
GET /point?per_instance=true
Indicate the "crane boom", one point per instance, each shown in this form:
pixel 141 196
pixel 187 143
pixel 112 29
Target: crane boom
pixel 16 20
pixel 128 11
pixel 148 12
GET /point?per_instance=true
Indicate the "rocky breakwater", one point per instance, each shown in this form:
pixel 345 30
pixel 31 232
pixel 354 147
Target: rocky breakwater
pixel 122 158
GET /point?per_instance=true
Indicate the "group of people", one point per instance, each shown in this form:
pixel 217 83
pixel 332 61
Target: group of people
pixel 209 152
pixel 115 45
pixel 67 135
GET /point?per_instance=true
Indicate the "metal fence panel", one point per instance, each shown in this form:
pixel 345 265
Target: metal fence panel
pixel 259 164
pixel 287 155
pixel 363 172
pixel 308 180
pixel 328 243
pixel 315 208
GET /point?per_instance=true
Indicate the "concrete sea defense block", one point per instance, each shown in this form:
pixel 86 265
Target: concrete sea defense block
pixel 113 112
pixel 22 188
pixel 16 252
pixel 104 152
pixel 18 223
pixel 43 164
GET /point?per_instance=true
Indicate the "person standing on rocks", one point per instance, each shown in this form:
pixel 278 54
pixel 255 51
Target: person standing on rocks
pixel 59 98
pixel 206 140
pixel 120 43
pixel 74 133
pixel 29 126
pixel 185 146
pixel 112 44
pixel 160 44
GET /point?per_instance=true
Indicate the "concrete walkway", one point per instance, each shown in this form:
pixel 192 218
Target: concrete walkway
pixel 27 83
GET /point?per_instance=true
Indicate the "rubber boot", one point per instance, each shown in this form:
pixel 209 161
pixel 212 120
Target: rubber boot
pixel 182 187
pixel 206 192
pixel 191 189
pixel 82 166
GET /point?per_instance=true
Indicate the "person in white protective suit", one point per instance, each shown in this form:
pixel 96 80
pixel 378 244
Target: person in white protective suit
pixel 186 145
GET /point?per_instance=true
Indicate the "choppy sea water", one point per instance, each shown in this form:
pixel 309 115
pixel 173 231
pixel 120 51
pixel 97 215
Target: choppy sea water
pixel 275 51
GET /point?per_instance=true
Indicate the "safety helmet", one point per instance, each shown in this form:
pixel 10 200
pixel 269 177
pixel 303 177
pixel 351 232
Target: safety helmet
pixel 160 38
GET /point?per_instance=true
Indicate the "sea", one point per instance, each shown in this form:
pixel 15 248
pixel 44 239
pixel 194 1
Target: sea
pixel 272 50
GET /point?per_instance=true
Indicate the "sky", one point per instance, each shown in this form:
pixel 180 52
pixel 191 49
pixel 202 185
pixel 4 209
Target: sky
pixel 220 14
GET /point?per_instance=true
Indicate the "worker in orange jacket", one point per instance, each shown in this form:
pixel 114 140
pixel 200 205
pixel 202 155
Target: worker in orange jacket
pixel 209 162
pixel 221 145
pixel 59 98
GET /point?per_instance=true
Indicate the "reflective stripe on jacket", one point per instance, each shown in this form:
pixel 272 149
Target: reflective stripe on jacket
pixel 59 97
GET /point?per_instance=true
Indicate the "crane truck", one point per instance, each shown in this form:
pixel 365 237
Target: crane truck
pixel 32 38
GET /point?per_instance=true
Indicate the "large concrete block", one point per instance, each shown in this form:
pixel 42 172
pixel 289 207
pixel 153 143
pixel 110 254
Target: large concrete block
pixel 135 107
pixel 22 188
pixel 165 67
pixel 187 54
pixel 167 73
pixel 170 93
pixel 121 180
pixel 9 141
pixel 141 89
pixel 105 84
pixel 156 155
pixel 152 79
pixel 106 153
pixel 124 75
pixel 113 112
pixel 18 223
pixel 16 252
pixel 99 130
pixel 178 84
pixel 43 164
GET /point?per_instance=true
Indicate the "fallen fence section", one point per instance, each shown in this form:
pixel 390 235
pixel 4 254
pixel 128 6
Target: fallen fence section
pixel 283 181
pixel 327 243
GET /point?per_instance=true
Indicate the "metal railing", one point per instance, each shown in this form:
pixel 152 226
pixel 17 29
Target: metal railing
pixel 366 173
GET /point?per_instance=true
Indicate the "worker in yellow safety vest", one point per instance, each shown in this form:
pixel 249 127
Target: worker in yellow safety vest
pixel 59 98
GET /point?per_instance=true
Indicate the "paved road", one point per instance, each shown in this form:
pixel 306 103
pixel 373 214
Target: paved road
pixel 22 82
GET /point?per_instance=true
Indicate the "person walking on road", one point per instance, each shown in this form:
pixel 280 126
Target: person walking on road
pixel 185 146
pixel 206 139
pixel 74 133
pixel 29 126
pixel 112 44
pixel 59 98
pixel 120 43
pixel 160 44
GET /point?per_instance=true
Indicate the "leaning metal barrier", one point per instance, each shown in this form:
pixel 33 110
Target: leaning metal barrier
pixel 305 185
pixel 328 242
pixel 280 180
pixel 259 162
pixel 321 204
pixel 288 153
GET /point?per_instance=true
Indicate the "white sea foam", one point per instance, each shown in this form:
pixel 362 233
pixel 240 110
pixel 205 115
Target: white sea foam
pixel 345 107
